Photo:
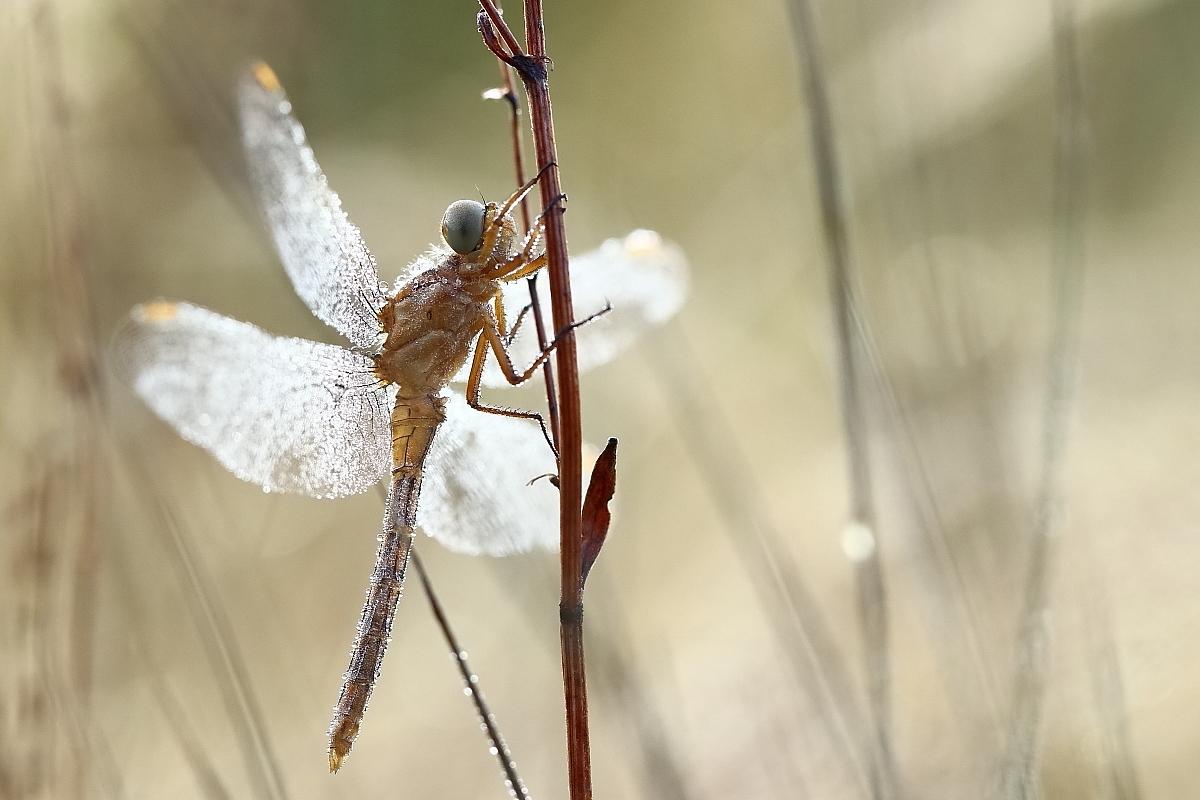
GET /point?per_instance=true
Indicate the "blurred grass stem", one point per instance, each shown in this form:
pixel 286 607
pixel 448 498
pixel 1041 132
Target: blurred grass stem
pixel 220 646
pixel 516 786
pixel 787 600
pixel 1018 778
pixel 870 587
pixel 59 551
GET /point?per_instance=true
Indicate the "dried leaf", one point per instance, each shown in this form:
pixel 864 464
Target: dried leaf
pixel 596 515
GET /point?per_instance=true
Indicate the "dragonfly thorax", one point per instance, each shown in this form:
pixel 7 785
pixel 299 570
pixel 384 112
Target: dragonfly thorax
pixel 430 326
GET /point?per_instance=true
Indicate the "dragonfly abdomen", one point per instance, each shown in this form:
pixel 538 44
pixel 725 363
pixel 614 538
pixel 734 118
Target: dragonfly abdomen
pixel 414 422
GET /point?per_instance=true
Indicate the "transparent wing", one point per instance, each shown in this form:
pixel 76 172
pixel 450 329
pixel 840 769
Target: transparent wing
pixel 644 279
pixel 288 414
pixel 476 496
pixel 324 254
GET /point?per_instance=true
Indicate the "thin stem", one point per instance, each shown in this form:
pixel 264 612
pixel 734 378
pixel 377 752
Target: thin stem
pixel 515 786
pixel 539 320
pixel 514 127
pixel 220 647
pixel 787 601
pixel 532 69
pixel 497 17
pixel 872 595
pixel 1032 648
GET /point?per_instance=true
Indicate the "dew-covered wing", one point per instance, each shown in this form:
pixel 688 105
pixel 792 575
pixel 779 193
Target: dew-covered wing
pixel 288 414
pixel 643 278
pixel 476 496
pixel 324 254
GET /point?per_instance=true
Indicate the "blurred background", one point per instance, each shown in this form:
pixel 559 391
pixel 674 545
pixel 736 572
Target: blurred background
pixel 169 631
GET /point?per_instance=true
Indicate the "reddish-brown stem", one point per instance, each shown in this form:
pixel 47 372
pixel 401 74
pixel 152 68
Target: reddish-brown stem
pixel 539 324
pixel 539 321
pixel 532 69
pixel 493 12
pixel 514 130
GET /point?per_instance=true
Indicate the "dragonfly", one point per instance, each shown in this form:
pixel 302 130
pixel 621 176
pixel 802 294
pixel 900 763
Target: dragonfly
pixel 322 420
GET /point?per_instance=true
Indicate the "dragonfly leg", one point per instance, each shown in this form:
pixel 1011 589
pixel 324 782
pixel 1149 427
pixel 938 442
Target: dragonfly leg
pixel 491 336
pixel 516 196
pixel 519 269
pixel 523 264
pixel 492 231
pixel 511 333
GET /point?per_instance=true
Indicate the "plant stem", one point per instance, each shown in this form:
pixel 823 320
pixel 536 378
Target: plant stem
pixel 570 469
pixel 871 589
pixel 470 681
pixel 1019 777
pixel 532 68
pixel 539 320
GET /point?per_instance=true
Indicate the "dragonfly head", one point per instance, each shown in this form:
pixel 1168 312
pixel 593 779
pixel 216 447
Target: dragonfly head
pixel 462 225
pixel 480 232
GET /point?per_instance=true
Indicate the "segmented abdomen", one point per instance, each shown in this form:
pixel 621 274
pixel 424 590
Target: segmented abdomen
pixel 414 423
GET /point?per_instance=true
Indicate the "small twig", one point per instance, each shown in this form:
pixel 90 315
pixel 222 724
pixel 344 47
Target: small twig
pixel 498 24
pixel 471 683
pixel 533 72
pixel 539 321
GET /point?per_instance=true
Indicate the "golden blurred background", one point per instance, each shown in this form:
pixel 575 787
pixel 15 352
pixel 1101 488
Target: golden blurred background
pixel 167 631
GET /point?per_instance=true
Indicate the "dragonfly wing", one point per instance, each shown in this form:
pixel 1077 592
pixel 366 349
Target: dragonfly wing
pixel 643 278
pixel 288 414
pixel 476 496
pixel 323 253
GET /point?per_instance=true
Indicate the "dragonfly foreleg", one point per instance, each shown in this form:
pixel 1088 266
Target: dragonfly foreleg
pixel 523 264
pixel 492 232
pixel 520 268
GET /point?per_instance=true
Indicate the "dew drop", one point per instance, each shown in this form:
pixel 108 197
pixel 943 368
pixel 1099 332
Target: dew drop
pixel 858 543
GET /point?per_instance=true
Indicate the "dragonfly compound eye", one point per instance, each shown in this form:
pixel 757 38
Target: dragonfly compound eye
pixel 462 227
